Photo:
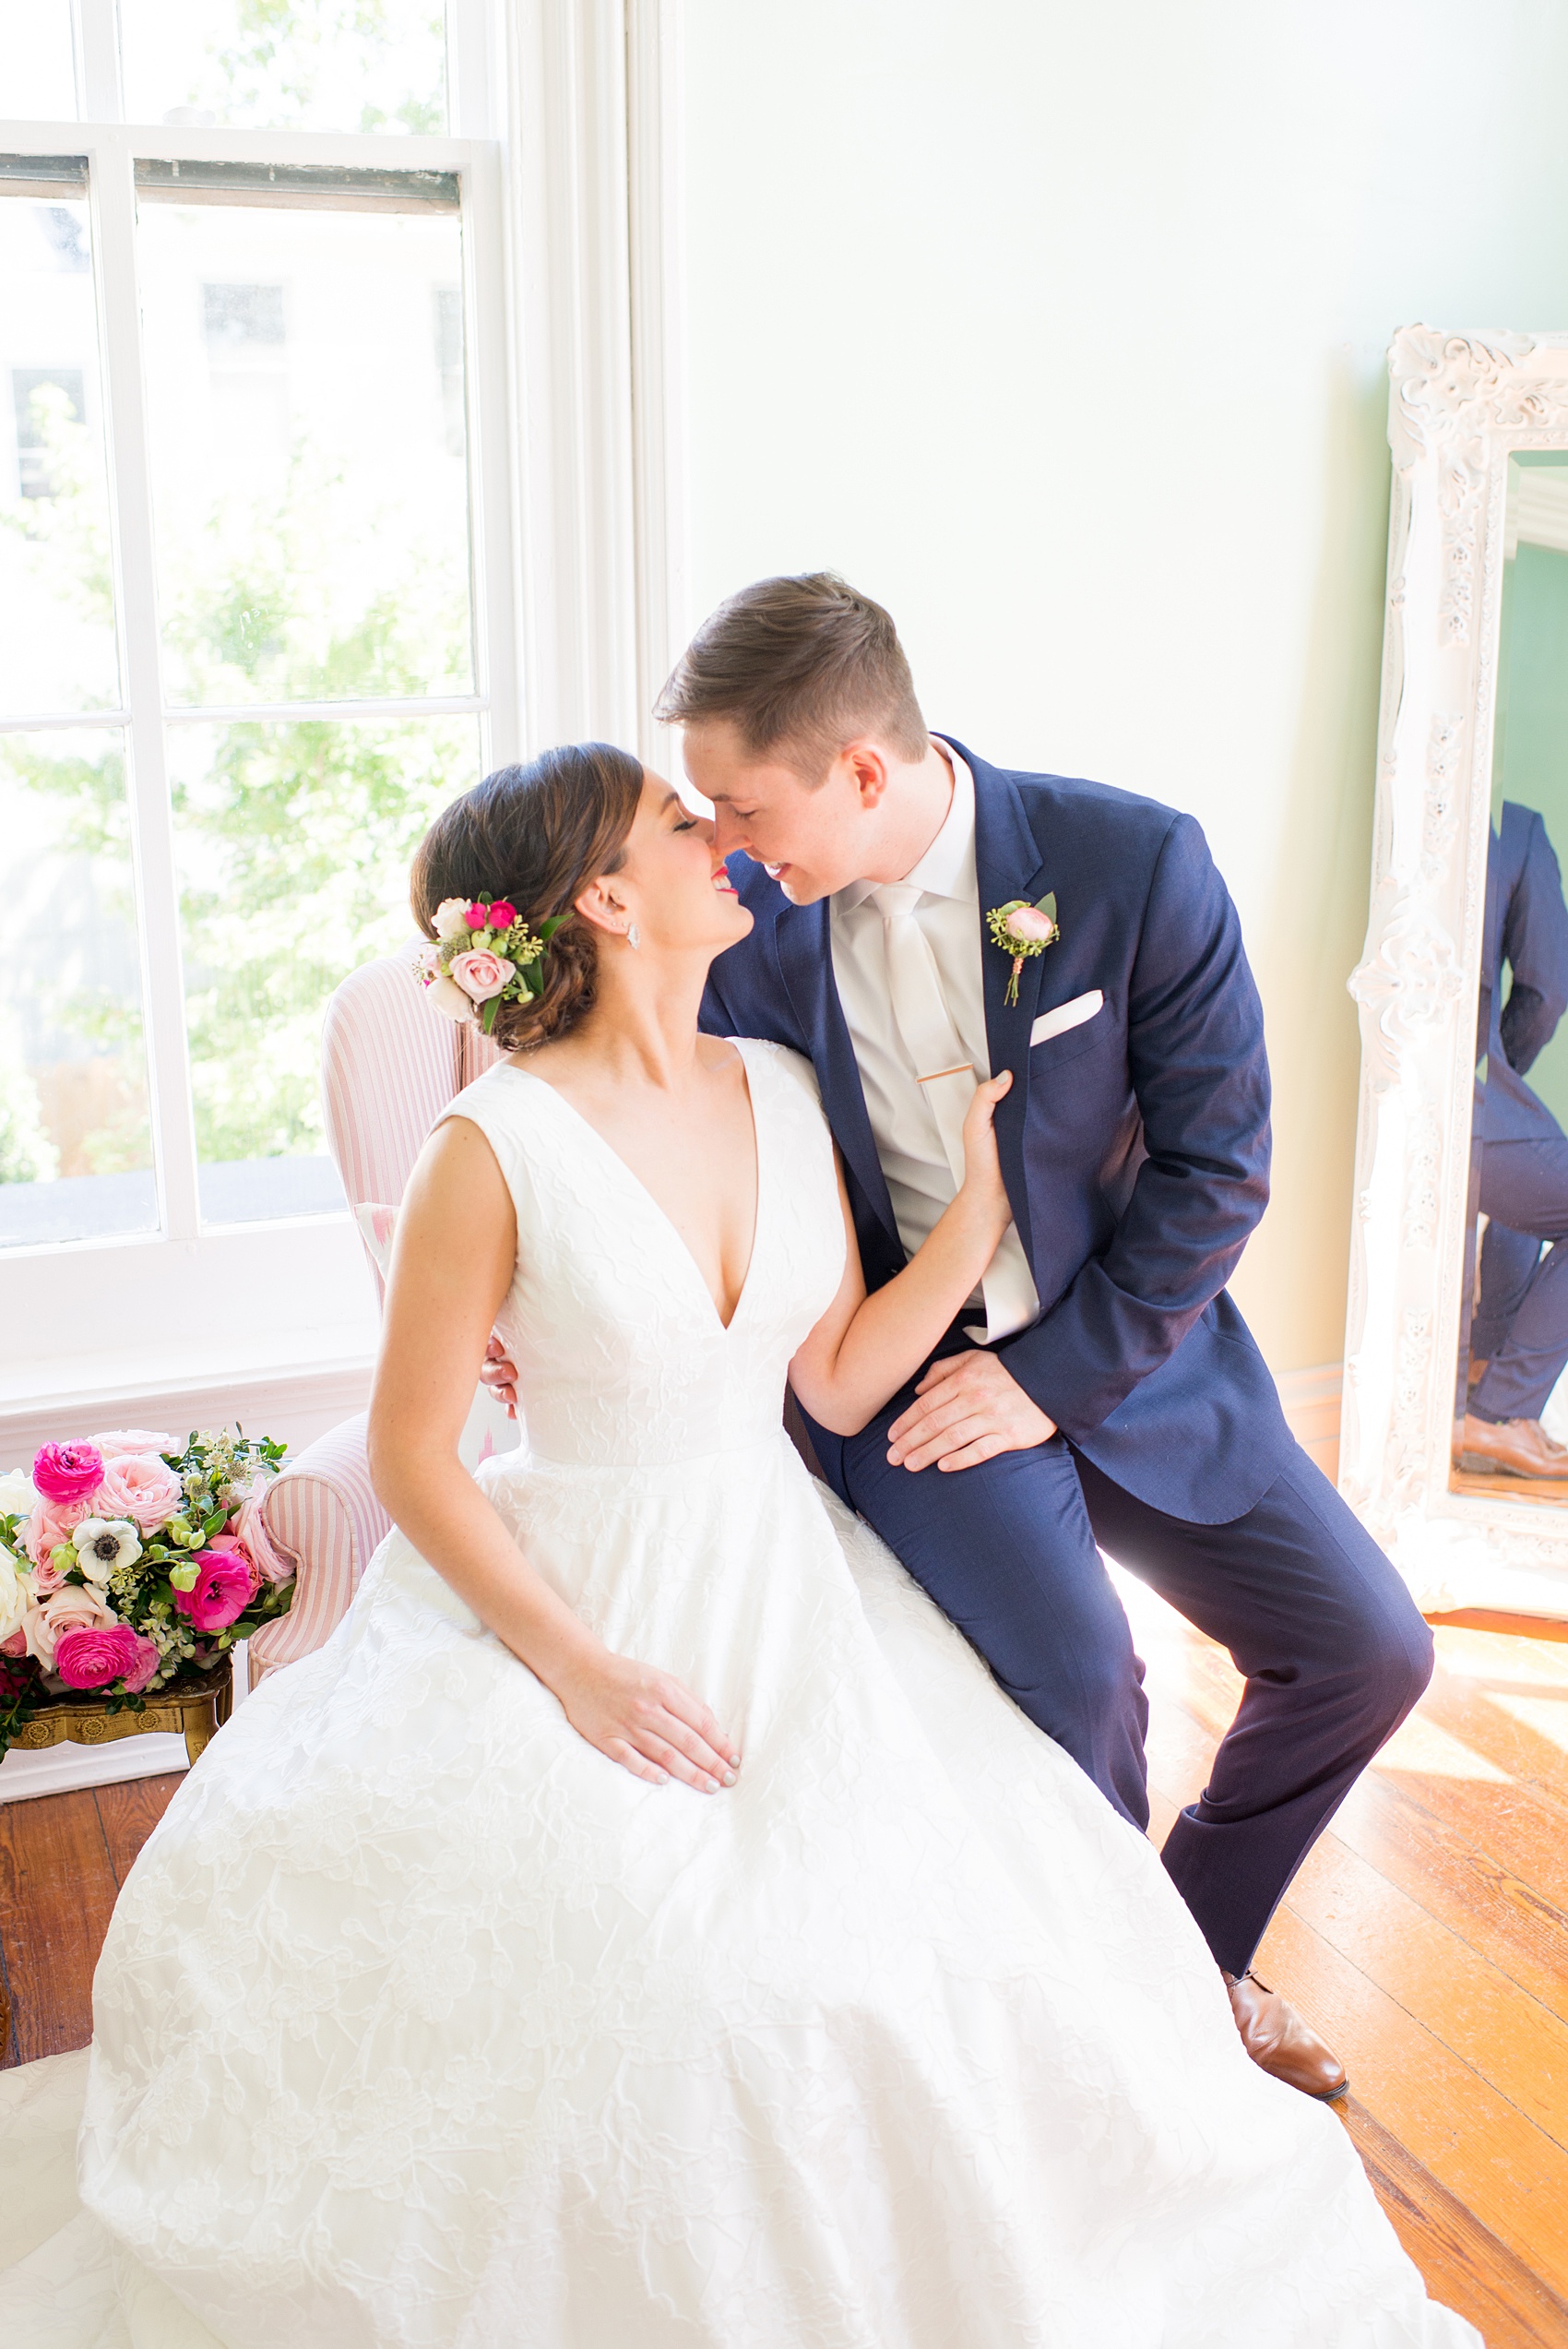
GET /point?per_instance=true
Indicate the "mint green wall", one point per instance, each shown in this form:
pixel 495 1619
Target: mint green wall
pixel 1061 329
pixel 1530 757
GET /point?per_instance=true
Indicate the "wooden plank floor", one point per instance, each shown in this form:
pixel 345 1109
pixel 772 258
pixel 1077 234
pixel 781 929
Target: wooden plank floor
pixel 1427 1936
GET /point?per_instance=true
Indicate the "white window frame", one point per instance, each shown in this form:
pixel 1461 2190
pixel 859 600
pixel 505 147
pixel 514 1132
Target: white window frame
pixel 567 112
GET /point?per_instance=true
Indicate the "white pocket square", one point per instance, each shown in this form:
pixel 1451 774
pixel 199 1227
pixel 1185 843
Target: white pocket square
pixel 1065 1015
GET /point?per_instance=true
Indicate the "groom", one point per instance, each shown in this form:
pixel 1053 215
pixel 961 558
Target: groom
pixel 1102 1391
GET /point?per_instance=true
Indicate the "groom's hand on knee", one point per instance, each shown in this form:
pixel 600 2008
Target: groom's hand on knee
pixel 969 1409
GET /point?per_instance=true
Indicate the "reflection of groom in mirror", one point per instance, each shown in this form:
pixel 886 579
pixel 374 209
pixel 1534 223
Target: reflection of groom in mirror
pixel 1103 1386
pixel 1519 1336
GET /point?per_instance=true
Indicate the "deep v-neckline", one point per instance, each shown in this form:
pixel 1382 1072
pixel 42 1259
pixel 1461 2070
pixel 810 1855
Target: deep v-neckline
pixel 635 1180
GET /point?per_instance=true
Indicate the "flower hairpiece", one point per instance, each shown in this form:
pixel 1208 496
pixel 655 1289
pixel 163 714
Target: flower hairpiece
pixel 1021 930
pixel 483 955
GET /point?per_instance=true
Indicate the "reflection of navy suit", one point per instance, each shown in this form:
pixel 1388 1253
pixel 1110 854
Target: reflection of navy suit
pixel 1521 1327
pixel 1134 1149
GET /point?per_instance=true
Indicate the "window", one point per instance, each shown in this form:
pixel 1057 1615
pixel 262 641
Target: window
pixel 246 650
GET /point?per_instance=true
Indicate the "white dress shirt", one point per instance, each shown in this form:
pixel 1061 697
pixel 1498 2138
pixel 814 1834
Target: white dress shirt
pixel 919 1179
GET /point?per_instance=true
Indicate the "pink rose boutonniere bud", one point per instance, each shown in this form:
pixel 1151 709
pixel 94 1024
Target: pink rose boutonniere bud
pixel 140 1487
pixel 92 1657
pixel 69 1472
pixel 480 973
pixel 1029 924
pixel 221 1591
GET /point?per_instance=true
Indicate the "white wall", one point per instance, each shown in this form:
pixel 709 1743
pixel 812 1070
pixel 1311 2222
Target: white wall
pixel 1060 329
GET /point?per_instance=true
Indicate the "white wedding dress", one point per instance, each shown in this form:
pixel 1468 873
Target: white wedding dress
pixel 420 2022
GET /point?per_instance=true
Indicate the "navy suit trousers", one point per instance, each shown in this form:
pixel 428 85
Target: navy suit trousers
pixel 1521 1329
pixel 1334 1650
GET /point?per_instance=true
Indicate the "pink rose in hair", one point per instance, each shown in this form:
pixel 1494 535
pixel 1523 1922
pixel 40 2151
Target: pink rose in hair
pixel 92 1657
pixel 257 1544
pixel 69 1472
pixel 480 973
pixel 133 1439
pixel 477 915
pixel 503 914
pixel 51 1523
pixel 75 1608
pixel 140 1487
pixel 220 1593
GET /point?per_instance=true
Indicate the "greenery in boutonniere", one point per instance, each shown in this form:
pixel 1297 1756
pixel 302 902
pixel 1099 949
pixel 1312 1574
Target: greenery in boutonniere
pixel 1022 929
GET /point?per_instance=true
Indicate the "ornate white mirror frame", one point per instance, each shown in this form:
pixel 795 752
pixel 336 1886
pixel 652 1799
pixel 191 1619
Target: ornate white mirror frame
pixel 1459 405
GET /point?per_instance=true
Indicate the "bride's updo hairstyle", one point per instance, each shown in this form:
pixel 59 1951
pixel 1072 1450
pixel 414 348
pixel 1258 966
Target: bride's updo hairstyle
pixel 536 835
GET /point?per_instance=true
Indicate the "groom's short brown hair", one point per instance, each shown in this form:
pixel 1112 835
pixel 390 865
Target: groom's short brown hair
pixel 800 666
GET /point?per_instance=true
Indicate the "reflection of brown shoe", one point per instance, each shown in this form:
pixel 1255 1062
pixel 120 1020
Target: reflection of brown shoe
pixel 1280 2042
pixel 1511 1447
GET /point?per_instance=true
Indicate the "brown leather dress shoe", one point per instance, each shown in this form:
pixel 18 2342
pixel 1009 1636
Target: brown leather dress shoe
pixel 1280 2042
pixel 1511 1447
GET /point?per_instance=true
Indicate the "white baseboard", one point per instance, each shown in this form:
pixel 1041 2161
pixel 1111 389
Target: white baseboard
pixel 62 1770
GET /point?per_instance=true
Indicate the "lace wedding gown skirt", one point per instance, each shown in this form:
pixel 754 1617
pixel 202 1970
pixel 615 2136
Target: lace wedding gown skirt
pixel 419 2023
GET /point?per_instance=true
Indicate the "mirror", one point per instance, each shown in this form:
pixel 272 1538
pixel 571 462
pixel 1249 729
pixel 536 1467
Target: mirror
pixel 1454 1435
pixel 1512 1402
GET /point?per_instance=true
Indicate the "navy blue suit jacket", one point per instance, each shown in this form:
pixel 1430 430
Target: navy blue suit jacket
pixel 1527 926
pixel 1134 1147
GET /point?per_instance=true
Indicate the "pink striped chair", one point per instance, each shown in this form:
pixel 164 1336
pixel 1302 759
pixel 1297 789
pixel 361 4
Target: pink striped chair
pixel 388 1068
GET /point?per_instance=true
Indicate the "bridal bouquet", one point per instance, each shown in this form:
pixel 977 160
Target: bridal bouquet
pixel 125 1561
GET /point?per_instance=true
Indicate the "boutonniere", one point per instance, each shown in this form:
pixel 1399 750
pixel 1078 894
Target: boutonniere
pixel 1021 929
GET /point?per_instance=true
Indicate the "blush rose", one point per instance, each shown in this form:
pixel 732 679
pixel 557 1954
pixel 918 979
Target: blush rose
pixel 480 973
pixel 51 1524
pixel 140 1487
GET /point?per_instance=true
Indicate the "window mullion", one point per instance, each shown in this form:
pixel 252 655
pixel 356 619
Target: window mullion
pixel 151 815
pixel 96 30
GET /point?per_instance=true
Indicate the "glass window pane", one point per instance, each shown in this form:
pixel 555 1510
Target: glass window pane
pixel 294 843
pixel 38 80
pixel 306 65
pixel 57 652
pixel 75 1155
pixel 309 476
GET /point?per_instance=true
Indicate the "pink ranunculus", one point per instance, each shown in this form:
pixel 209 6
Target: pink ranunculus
pixel 97 1654
pixel 477 915
pixel 1030 924
pixel 503 914
pixel 480 973
pixel 67 1472
pixel 51 1523
pixel 16 1645
pixel 220 1593
pixel 257 1544
pixel 75 1608
pixel 120 1440
pixel 138 1486
pixel 147 1663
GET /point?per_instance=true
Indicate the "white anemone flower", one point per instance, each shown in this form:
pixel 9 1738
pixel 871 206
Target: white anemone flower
pixel 104 1543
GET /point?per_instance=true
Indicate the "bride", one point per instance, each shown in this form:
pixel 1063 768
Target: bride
pixel 646 1923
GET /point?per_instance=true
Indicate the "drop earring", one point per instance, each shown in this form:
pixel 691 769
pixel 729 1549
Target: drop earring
pixel 633 937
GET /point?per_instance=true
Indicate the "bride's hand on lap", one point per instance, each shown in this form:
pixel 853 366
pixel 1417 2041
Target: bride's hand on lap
pixel 646 1721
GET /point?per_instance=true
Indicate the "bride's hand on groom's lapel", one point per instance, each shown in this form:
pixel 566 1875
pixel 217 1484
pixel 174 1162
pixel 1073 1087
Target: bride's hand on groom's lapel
pixel 970 1407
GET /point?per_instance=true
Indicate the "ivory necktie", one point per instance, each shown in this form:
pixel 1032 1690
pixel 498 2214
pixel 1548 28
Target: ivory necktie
pixel 947 1079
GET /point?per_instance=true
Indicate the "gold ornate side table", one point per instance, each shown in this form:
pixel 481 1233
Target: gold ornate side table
pixel 194 1708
